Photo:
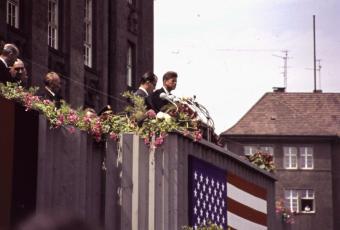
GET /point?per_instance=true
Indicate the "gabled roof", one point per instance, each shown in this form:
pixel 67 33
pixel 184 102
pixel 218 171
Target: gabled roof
pixel 310 114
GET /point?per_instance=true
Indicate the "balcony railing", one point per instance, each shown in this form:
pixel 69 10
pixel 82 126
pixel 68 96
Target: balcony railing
pixel 118 185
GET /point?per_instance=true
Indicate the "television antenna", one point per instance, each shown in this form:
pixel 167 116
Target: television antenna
pixel 285 67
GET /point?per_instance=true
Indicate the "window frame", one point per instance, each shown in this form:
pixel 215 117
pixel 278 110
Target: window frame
pixel 308 197
pixel 16 15
pixel 130 64
pixel 88 33
pixel 254 148
pixel 296 196
pixel 292 197
pixel 53 24
pixel 303 156
pixel 249 150
pixel 290 157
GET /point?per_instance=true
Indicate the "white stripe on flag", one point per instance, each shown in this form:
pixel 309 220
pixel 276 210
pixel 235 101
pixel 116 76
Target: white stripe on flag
pixel 247 199
pixel 240 223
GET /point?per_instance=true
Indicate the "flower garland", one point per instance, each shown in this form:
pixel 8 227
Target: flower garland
pixel 262 160
pixel 209 226
pixel 135 119
pixel 286 215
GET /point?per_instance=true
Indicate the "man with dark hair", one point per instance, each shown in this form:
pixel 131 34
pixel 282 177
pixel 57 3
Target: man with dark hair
pixel 19 73
pixel 8 56
pixel 169 84
pixel 147 85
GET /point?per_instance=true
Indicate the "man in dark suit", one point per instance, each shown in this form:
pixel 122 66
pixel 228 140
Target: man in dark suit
pixel 19 73
pixel 8 56
pixel 147 85
pixel 169 84
pixel 52 89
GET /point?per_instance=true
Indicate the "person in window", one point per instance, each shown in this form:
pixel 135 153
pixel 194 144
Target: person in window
pixel 147 85
pixel 8 56
pixel 18 73
pixel 52 89
pixel 169 84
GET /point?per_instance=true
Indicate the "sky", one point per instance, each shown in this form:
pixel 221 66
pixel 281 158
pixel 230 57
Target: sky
pixel 225 51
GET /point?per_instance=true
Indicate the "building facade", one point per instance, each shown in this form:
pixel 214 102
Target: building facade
pixel 99 48
pixel 301 131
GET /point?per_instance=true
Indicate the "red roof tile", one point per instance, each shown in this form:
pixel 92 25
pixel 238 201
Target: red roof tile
pixel 291 114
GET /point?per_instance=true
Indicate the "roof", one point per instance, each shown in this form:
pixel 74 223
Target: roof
pixel 310 114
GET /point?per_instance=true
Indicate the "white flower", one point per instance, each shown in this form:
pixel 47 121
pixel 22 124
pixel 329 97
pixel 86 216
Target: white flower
pixel 161 115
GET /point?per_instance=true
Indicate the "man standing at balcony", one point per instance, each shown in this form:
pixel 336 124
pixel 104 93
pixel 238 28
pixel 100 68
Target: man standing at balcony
pixel 162 96
pixel 147 85
pixel 19 73
pixel 8 56
pixel 52 89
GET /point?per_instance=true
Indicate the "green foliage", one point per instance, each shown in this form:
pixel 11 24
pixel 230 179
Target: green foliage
pixel 262 160
pixel 209 226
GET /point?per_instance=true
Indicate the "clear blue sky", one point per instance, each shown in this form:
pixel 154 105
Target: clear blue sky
pixel 189 36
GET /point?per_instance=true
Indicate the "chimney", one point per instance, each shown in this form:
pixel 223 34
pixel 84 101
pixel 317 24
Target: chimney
pixel 279 89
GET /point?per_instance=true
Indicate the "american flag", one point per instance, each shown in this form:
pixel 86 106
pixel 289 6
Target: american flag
pixel 224 199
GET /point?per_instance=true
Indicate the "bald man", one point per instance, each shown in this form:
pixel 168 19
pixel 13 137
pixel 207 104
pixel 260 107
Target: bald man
pixel 8 56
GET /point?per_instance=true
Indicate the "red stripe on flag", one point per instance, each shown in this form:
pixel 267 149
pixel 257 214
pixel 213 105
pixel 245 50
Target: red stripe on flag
pixel 246 213
pixel 247 186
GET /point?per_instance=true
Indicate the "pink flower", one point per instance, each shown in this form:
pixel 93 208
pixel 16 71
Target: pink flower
pixel 151 113
pixel 72 117
pixel 113 136
pixel 96 130
pixel 146 141
pixel 198 135
pixel 87 119
pixel 47 102
pixel 61 118
pixel 159 141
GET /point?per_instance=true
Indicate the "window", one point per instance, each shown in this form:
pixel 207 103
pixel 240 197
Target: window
pixel 13 13
pixel 292 200
pixel 130 65
pixel 307 201
pixel 53 23
pixel 88 33
pixel 306 158
pixel 304 154
pixel 302 200
pixel 290 157
pixel 250 150
pixel 267 149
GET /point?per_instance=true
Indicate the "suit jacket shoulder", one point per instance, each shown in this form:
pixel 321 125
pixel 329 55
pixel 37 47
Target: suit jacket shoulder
pixel 4 73
pixel 140 93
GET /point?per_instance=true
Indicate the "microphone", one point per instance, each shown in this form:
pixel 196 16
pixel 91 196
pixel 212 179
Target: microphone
pixel 168 98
